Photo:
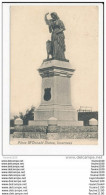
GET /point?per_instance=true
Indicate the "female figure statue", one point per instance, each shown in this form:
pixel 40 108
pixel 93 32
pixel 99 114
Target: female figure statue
pixel 57 43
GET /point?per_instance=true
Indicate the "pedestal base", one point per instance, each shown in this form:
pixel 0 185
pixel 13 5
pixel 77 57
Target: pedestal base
pixel 60 123
pixel 61 112
pixel 56 95
pixel 66 115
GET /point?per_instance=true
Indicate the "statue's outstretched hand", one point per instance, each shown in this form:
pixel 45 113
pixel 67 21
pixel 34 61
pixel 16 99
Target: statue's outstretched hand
pixel 46 14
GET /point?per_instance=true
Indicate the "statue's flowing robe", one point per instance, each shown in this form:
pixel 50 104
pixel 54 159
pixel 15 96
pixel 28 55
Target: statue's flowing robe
pixel 57 38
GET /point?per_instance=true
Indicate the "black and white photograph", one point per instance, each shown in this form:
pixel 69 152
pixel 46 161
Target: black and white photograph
pixel 52 102
pixel 54 74
pixel 53 78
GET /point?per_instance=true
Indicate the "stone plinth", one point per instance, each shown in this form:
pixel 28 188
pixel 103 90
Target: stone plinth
pixel 63 123
pixel 18 122
pixel 93 122
pixel 52 124
pixel 56 95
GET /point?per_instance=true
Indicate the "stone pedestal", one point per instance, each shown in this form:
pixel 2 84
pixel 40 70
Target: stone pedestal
pixel 56 95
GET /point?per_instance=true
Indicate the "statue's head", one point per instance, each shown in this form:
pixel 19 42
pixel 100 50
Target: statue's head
pixel 54 16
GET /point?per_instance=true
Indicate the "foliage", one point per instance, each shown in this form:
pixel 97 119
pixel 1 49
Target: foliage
pixel 15 117
pixel 29 115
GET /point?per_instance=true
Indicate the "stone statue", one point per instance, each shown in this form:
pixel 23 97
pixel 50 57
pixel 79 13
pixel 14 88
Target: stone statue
pixel 55 47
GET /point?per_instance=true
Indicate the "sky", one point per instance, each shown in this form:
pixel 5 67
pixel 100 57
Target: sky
pixel 29 34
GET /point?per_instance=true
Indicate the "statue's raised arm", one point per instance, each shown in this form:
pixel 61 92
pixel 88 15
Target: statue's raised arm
pixel 48 22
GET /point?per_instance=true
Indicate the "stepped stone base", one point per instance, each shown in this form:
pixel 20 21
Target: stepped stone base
pixel 60 123
pixel 66 115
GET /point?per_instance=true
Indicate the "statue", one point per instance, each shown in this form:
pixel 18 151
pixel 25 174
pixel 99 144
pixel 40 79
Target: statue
pixel 55 47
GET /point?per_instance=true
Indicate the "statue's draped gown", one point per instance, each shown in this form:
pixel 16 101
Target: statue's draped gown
pixel 56 27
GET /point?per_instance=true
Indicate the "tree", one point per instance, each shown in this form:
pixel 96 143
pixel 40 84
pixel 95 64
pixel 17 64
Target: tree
pixel 29 115
pixel 15 117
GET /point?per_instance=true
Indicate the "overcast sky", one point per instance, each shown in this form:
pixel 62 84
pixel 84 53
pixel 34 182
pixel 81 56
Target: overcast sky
pixel 29 34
